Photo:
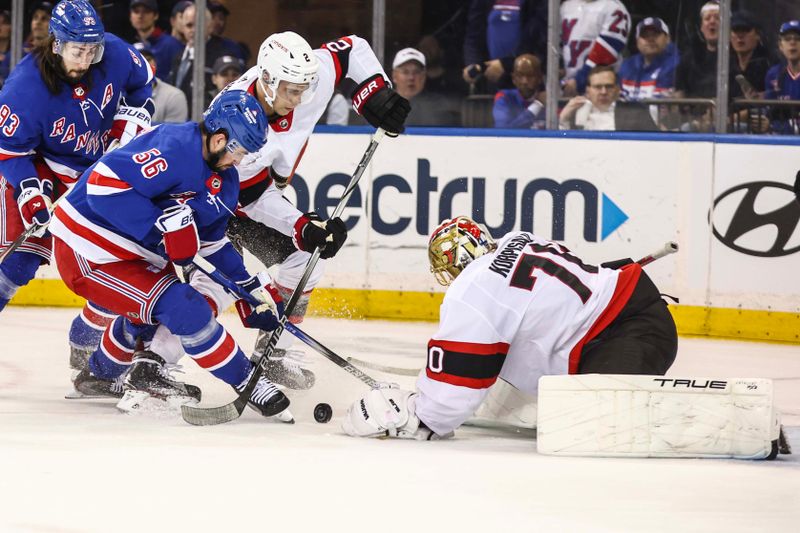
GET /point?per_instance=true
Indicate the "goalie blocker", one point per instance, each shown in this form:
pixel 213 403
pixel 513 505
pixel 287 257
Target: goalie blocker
pixel 657 416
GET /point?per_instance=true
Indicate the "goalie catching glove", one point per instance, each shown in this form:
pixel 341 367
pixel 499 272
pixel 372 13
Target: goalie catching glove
pixel 381 106
pixel 266 315
pixel 311 232
pixel 129 121
pixel 386 412
pixel 33 200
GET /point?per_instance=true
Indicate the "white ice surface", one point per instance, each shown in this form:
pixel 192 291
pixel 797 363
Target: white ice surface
pixel 79 465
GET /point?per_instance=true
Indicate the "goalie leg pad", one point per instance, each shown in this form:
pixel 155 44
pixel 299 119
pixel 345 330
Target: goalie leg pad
pixel 656 416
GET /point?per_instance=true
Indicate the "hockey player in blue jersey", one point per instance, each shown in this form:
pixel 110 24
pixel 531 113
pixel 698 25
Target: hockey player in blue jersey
pixel 139 211
pixel 60 109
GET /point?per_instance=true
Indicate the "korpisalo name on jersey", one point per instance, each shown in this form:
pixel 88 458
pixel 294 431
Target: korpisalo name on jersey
pixel 507 257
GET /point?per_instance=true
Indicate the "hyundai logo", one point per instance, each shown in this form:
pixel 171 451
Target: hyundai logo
pixel 760 218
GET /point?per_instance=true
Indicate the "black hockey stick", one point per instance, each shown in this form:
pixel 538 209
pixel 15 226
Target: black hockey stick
pixel 209 270
pixel 200 416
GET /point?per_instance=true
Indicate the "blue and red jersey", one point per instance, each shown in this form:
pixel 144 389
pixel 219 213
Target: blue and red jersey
pixel 110 213
pixel 69 130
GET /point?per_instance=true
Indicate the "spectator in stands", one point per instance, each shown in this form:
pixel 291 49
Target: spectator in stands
pixel 749 57
pixel 5 45
pixel 594 32
pixel 176 20
pixel 783 79
pixel 497 32
pixel 651 72
pixel 225 70
pixel 600 108
pixel 749 64
pixel 427 108
pixel 163 46
pixel 219 19
pixel 696 75
pixel 183 64
pixel 523 106
pixel 438 78
pixel 170 102
pixel 40 24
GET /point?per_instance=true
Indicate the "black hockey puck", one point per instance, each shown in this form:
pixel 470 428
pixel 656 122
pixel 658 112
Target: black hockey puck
pixel 323 413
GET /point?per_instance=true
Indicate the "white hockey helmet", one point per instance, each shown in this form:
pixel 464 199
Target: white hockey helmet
pixel 287 57
pixel 454 244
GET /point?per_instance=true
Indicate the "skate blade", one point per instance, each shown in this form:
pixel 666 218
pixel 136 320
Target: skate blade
pixel 285 416
pixel 75 394
pixel 136 402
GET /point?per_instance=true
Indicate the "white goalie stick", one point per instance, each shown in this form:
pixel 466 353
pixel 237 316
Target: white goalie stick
pixel 201 416
pixel 669 248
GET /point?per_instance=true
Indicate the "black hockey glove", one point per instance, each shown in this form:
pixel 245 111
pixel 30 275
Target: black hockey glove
pixel 311 232
pixel 381 106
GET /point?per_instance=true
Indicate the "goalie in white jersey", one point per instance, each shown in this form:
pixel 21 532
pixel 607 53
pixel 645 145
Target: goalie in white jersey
pixel 519 309
pixel 294 85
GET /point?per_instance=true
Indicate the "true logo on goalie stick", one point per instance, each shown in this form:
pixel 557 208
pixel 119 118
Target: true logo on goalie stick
pixel 691 383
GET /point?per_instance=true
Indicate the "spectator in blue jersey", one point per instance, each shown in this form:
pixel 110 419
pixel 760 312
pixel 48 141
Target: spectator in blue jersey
pixel 163 46
pixel 651 72
pixel 783 80
pixel 497 32
pixel 521 107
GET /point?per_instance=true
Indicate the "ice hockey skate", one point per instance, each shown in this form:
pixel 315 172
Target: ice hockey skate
pixel 267 399
pixel 285 367
pixel 148 385
pixel 87 385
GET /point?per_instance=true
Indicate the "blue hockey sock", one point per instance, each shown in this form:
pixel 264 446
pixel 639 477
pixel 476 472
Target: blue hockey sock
pixel 15 271
pixel 115 353
pixel 187 314
pixel 87 328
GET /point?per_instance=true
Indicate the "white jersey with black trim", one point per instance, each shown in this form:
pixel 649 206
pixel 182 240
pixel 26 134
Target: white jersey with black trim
pixel 349 57
pixel 519 313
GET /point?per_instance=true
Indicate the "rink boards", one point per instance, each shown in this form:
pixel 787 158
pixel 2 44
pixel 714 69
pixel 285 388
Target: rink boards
pixel 726 200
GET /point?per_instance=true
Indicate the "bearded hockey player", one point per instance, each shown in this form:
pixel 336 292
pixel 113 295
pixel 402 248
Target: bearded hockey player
pixel 141 210
pixel 59 111
pixel 294 84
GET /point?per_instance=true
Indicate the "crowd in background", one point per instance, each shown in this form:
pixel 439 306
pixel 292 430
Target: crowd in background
pixel 624 64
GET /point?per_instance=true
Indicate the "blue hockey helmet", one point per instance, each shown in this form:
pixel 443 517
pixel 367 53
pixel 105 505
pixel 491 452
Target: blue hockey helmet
pixel 76 21
pixel 242 118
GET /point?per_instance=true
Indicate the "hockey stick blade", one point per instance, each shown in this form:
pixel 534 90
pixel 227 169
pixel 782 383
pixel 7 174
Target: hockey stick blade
pixel 383 368
pixel 233 410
